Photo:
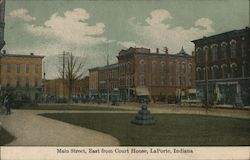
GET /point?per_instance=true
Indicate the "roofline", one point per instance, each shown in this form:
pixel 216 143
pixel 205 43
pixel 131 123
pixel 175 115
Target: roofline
pixel 21 55
pixel 218 35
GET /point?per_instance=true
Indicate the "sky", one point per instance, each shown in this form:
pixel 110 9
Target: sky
pixel 92 29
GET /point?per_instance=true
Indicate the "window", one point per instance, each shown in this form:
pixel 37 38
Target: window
pixel 18 68
pixel 27 82
pixel 154 73
pixel 243 49
pixel 8 81
pixel 214 50
pixel 190 82
pixel 163 73
pixel 8 68
pixel 214 72
pixel 17 81
pixel 189 70
pixel 142 73
pixel 198 74
pixel 36 81
pixel 234 70
pixel 36 68
pixel 27 68
pixel 224 69
pixel 223 51
pixel 233 48
pixel 179 74
pixel 198 55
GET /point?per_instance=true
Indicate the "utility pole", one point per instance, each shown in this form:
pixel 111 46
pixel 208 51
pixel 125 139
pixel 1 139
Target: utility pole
pixel 63 74
pixel 206 77
pixel 107 76
pixel 44 81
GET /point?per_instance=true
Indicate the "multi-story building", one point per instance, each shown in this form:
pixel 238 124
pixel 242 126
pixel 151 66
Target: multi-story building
pixel 57 88
pixel 21 74
pixel 165 75
pixel 227 59
pixel 108 80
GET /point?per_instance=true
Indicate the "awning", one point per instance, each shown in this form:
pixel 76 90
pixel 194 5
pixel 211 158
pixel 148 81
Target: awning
pixel 142 91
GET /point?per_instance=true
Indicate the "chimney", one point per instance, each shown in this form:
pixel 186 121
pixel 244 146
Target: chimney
pixel 157 50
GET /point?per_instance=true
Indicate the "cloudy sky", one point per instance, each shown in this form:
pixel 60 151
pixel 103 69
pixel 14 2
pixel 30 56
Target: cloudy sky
pixel 93 28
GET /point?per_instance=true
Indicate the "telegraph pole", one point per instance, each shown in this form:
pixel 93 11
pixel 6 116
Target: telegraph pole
pixel 107 76
pixel 63 76
pixel 206 76
pixel 44 82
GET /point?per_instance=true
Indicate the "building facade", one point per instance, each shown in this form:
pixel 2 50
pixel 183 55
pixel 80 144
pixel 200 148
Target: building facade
pixel 166 76
pixel 21 75
pixel 94 82
pixel 226 57
pixel 56 89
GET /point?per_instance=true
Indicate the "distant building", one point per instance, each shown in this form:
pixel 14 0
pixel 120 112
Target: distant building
pixel 21 74
pixel 108 79
pixel 227 56
pixel 57 88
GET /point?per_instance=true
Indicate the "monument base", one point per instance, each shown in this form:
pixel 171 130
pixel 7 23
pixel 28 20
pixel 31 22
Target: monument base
pixel 143 117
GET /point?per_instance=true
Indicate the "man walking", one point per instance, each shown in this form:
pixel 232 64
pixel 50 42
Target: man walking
pixel 7 104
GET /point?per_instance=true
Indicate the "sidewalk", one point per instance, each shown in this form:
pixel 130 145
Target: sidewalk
pixel 34 130
pixel 166 108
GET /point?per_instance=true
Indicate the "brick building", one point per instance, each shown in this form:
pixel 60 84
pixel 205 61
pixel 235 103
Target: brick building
pixel 227 57
pixel 57 89
pixel 164 74
pixel 21 74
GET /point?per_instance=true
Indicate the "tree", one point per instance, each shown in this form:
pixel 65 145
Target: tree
pixel 71 70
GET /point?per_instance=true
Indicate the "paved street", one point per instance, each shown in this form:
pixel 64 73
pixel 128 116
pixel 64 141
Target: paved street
pixel 32 129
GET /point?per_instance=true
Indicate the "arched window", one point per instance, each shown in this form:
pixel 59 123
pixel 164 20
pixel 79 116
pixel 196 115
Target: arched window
pixel 189 69
pixel 198 74
pixel 189 74
pixel 163 73
pixel 170 75
pixel 142 73
pixel 214 71
pixel 154 72
pixel 234 70
pixel 243 49
pixel 233 48
pixel 224 70
pixel 214 50
pixel 224 50
pixel 198 55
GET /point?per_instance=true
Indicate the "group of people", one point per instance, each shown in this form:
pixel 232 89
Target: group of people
pixel 6 103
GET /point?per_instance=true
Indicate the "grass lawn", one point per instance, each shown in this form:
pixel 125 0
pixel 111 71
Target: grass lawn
pixel 5 137
pixel 170 129
pixel 72 107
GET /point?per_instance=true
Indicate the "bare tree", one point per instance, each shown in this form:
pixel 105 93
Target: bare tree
pixel 71 70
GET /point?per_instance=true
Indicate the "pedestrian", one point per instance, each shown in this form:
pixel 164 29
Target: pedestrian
pixel 7 104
